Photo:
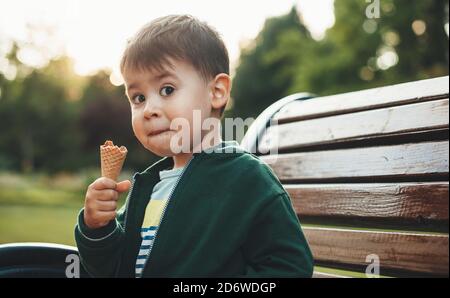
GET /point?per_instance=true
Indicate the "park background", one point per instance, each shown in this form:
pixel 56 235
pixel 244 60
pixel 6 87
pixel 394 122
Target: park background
pixel 54 113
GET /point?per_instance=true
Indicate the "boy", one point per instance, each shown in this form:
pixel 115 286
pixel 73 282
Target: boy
pixel 213 210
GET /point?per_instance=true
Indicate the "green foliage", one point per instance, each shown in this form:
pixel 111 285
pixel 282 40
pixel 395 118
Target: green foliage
pixel 265 70
pixel 38 120
pixel 55 121
pixel 284 59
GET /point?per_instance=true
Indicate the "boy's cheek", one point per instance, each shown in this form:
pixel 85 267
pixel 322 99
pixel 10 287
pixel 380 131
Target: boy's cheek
pixel 135 126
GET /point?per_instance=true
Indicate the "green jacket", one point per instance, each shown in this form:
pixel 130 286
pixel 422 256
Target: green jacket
pixel 228 216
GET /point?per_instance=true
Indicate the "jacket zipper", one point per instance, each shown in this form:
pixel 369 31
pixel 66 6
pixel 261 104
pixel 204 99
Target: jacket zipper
pixel 126 215
pixel 164 212
pixel 128 203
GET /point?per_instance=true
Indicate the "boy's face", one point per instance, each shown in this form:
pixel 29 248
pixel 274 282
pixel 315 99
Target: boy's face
pixel 157 98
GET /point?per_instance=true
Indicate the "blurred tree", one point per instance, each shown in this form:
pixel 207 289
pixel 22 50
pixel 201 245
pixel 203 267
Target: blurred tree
pixel 408 42
pixel 422 44
pixel 37 118
pixel 46 127
pixel 53 120
pixel 265 70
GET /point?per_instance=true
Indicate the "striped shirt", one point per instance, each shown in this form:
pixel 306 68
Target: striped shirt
pixel 153 215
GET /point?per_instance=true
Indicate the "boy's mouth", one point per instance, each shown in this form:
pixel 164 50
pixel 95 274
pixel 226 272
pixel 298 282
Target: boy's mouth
pixel 157 132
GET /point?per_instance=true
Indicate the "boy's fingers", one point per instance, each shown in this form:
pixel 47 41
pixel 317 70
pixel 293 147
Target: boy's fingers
pixel 106 195
pixel 104 183
pixel 123 186
pixel 106 215
pixel 107 205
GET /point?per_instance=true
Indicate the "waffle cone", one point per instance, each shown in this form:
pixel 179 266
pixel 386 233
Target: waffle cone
pixel 112 159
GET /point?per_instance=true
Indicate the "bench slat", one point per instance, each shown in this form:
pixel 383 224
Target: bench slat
pixel 407 160
pixel 394 201
pixel 396 251
pixel 317 274
pixel 368 124
pixel 365 100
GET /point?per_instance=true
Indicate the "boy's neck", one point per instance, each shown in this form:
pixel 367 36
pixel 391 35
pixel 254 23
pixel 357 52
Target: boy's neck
pixel 180 160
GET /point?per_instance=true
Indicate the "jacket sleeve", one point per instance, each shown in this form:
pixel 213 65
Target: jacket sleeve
pixel 276 245
pixel 100 249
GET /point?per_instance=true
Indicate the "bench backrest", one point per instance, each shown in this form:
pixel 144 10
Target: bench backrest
pixel 367 173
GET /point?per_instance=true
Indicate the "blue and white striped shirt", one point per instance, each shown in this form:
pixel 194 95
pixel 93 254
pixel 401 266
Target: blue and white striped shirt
pixel 154 213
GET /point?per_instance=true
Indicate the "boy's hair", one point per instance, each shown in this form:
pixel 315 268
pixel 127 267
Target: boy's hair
pixel 180 37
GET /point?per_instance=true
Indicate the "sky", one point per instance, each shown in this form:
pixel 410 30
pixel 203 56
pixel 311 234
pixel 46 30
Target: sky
pixel 94 32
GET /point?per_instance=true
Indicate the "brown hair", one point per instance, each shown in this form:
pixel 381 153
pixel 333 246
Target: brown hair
pixel 180 37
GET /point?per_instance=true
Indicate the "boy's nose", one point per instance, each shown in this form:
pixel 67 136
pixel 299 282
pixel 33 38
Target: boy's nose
pixel 151 109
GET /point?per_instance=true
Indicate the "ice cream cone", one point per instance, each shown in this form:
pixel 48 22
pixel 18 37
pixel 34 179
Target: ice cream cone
pixel 112 159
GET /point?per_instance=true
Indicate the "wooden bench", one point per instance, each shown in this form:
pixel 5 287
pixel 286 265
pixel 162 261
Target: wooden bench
pixel 367 173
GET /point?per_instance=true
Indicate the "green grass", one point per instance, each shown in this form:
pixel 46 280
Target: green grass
pixel 37 224
pixel 42 208
pixel 40 197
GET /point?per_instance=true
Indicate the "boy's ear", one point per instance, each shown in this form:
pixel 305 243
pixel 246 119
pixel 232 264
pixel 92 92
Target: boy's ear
pixel 221 88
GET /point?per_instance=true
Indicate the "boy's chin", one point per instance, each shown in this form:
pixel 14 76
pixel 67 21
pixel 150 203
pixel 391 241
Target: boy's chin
pixel 165 151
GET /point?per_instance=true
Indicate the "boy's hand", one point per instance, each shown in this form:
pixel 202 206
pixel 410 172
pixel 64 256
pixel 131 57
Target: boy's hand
pixel 101 201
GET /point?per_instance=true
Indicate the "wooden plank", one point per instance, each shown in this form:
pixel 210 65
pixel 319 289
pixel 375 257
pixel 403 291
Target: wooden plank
pixel 317 274
pixel 327 272
pixel 421 159
pixel 393 201
pixel 396 251
pixel 365 100
pixel 374 123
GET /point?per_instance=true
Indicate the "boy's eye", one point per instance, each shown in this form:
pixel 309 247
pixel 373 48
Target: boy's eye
pixel 139 98
pixel 166 91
